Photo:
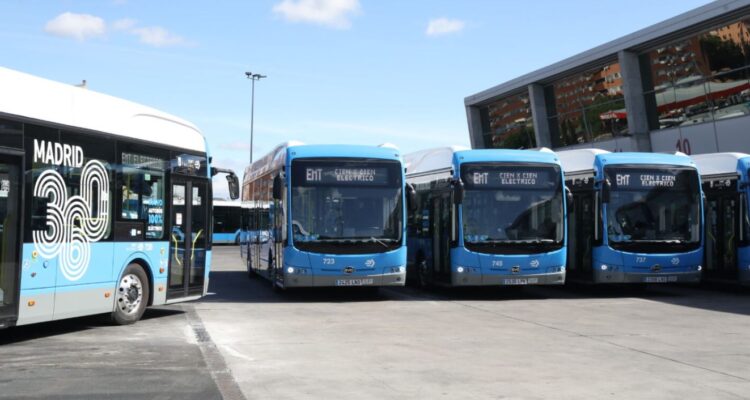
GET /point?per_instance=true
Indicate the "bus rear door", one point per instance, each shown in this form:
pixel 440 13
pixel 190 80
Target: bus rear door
pixel 188 237
pixel 10 210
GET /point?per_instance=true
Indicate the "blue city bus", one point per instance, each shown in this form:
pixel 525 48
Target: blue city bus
pixel 486 217
pixel 726 183
pixel 326 215
pixel 635 217
pixel 104 204
pixel 228 218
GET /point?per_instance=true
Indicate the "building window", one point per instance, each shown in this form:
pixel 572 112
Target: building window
pixel 588 106
pixel 702 78
pixel 507 123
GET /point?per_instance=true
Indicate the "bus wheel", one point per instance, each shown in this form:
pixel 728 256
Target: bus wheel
pixel 132 296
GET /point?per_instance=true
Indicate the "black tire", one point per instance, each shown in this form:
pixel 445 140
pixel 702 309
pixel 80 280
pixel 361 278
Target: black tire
pixel 131 295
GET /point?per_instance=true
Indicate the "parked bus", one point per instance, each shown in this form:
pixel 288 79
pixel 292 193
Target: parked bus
pixel 486 217
pixel 635 217
pixel 104 204
pixel 726 184
pixel 228 218
pixel 326 215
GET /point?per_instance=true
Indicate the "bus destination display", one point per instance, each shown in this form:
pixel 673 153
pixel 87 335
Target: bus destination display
pixel 316 175
pixel 646 179
pixel 509 177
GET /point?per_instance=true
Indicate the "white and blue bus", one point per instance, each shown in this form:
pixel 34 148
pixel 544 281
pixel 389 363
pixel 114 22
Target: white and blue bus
pixel 726 183
pixel 326 215
pixel 104 204
pixel 635 217
pixel 228 218
pixel 486 217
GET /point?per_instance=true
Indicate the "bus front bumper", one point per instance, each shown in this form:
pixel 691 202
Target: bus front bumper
pixel 344 280
pixel 619 276
pixel 469 278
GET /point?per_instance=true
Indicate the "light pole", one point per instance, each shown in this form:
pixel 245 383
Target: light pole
pixel 253 77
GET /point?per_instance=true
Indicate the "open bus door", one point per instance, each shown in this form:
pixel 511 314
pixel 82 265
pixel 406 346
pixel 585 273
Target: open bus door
pixel 10 236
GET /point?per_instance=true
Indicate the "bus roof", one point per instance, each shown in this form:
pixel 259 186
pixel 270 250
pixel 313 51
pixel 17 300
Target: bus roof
pixel 721 163
pixel 277 157
pixel 41 99
pixel 579 159
pixel 442 158
pixel 587 159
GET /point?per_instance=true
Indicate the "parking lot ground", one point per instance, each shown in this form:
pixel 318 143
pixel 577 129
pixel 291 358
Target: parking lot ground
pixel 535 342
pixel 245 340
pixel 89 358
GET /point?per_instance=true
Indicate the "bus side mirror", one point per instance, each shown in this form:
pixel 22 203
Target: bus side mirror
pixel 458 192
pixel 606 188
pixel 277 185
pixel 411 197
pixel 234 186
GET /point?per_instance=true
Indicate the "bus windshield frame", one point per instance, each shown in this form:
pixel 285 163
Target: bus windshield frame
pixel 334 205
pixel 532 216
pixel 647 202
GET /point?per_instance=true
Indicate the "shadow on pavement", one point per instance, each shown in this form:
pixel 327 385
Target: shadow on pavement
pixel 24 333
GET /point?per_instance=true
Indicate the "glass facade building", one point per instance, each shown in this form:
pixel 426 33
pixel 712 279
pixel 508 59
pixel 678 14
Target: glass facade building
pixel 683 84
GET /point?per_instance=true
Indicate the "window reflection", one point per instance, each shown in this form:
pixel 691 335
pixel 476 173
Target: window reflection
pixel 507 123
pixel 699 79
pixel 589 106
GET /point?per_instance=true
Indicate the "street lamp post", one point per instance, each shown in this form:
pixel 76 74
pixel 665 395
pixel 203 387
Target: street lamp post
pixel 253 77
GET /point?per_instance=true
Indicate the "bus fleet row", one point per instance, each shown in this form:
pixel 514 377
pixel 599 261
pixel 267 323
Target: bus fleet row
pixel 106 207
pixel 366 216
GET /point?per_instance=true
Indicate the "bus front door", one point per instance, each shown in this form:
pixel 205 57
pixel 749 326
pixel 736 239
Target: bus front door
pixel 188 238
pixel 441 237
pixel 10 210
pixel 721 236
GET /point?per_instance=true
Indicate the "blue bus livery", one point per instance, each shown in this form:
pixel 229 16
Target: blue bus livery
pixel 228 219
pixel 95 216
pixel 326 215
pixel 486 217
pixel 635 217
pixel 726 183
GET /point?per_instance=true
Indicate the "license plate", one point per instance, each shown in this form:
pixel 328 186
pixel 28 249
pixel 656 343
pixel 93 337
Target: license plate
pixel 660 279
pixel 354 282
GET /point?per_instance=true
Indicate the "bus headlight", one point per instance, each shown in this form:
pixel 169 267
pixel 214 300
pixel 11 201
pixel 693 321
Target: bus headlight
pixel 290 270
pixel 604 267
pixel 460 270
pixel 402 269
pixel 700 268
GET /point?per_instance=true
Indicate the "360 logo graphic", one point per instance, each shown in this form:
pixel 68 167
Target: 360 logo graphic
pixel 73 222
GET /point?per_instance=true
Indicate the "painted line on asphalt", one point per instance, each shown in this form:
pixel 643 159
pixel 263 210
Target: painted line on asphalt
pixel 215 363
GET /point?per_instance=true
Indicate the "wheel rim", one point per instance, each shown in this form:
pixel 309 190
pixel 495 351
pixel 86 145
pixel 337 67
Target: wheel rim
pixel 129 294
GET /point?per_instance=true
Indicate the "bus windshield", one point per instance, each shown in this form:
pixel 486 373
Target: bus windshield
pixel 512 204
pixel 653 205
pixel 346 200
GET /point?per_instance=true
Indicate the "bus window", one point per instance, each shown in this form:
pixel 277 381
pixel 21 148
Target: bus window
pixel 142 188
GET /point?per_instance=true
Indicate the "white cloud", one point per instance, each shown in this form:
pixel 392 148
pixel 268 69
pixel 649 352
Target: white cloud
pixel 157 36
pixel 123 24
pixel 330 13
pixel 444 26
pixel 77 26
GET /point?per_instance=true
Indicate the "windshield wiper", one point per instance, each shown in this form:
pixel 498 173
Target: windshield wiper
pixel 514 241
pixel 667 241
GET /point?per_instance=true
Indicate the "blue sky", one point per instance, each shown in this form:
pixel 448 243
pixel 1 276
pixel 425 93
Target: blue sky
pixel 339 71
